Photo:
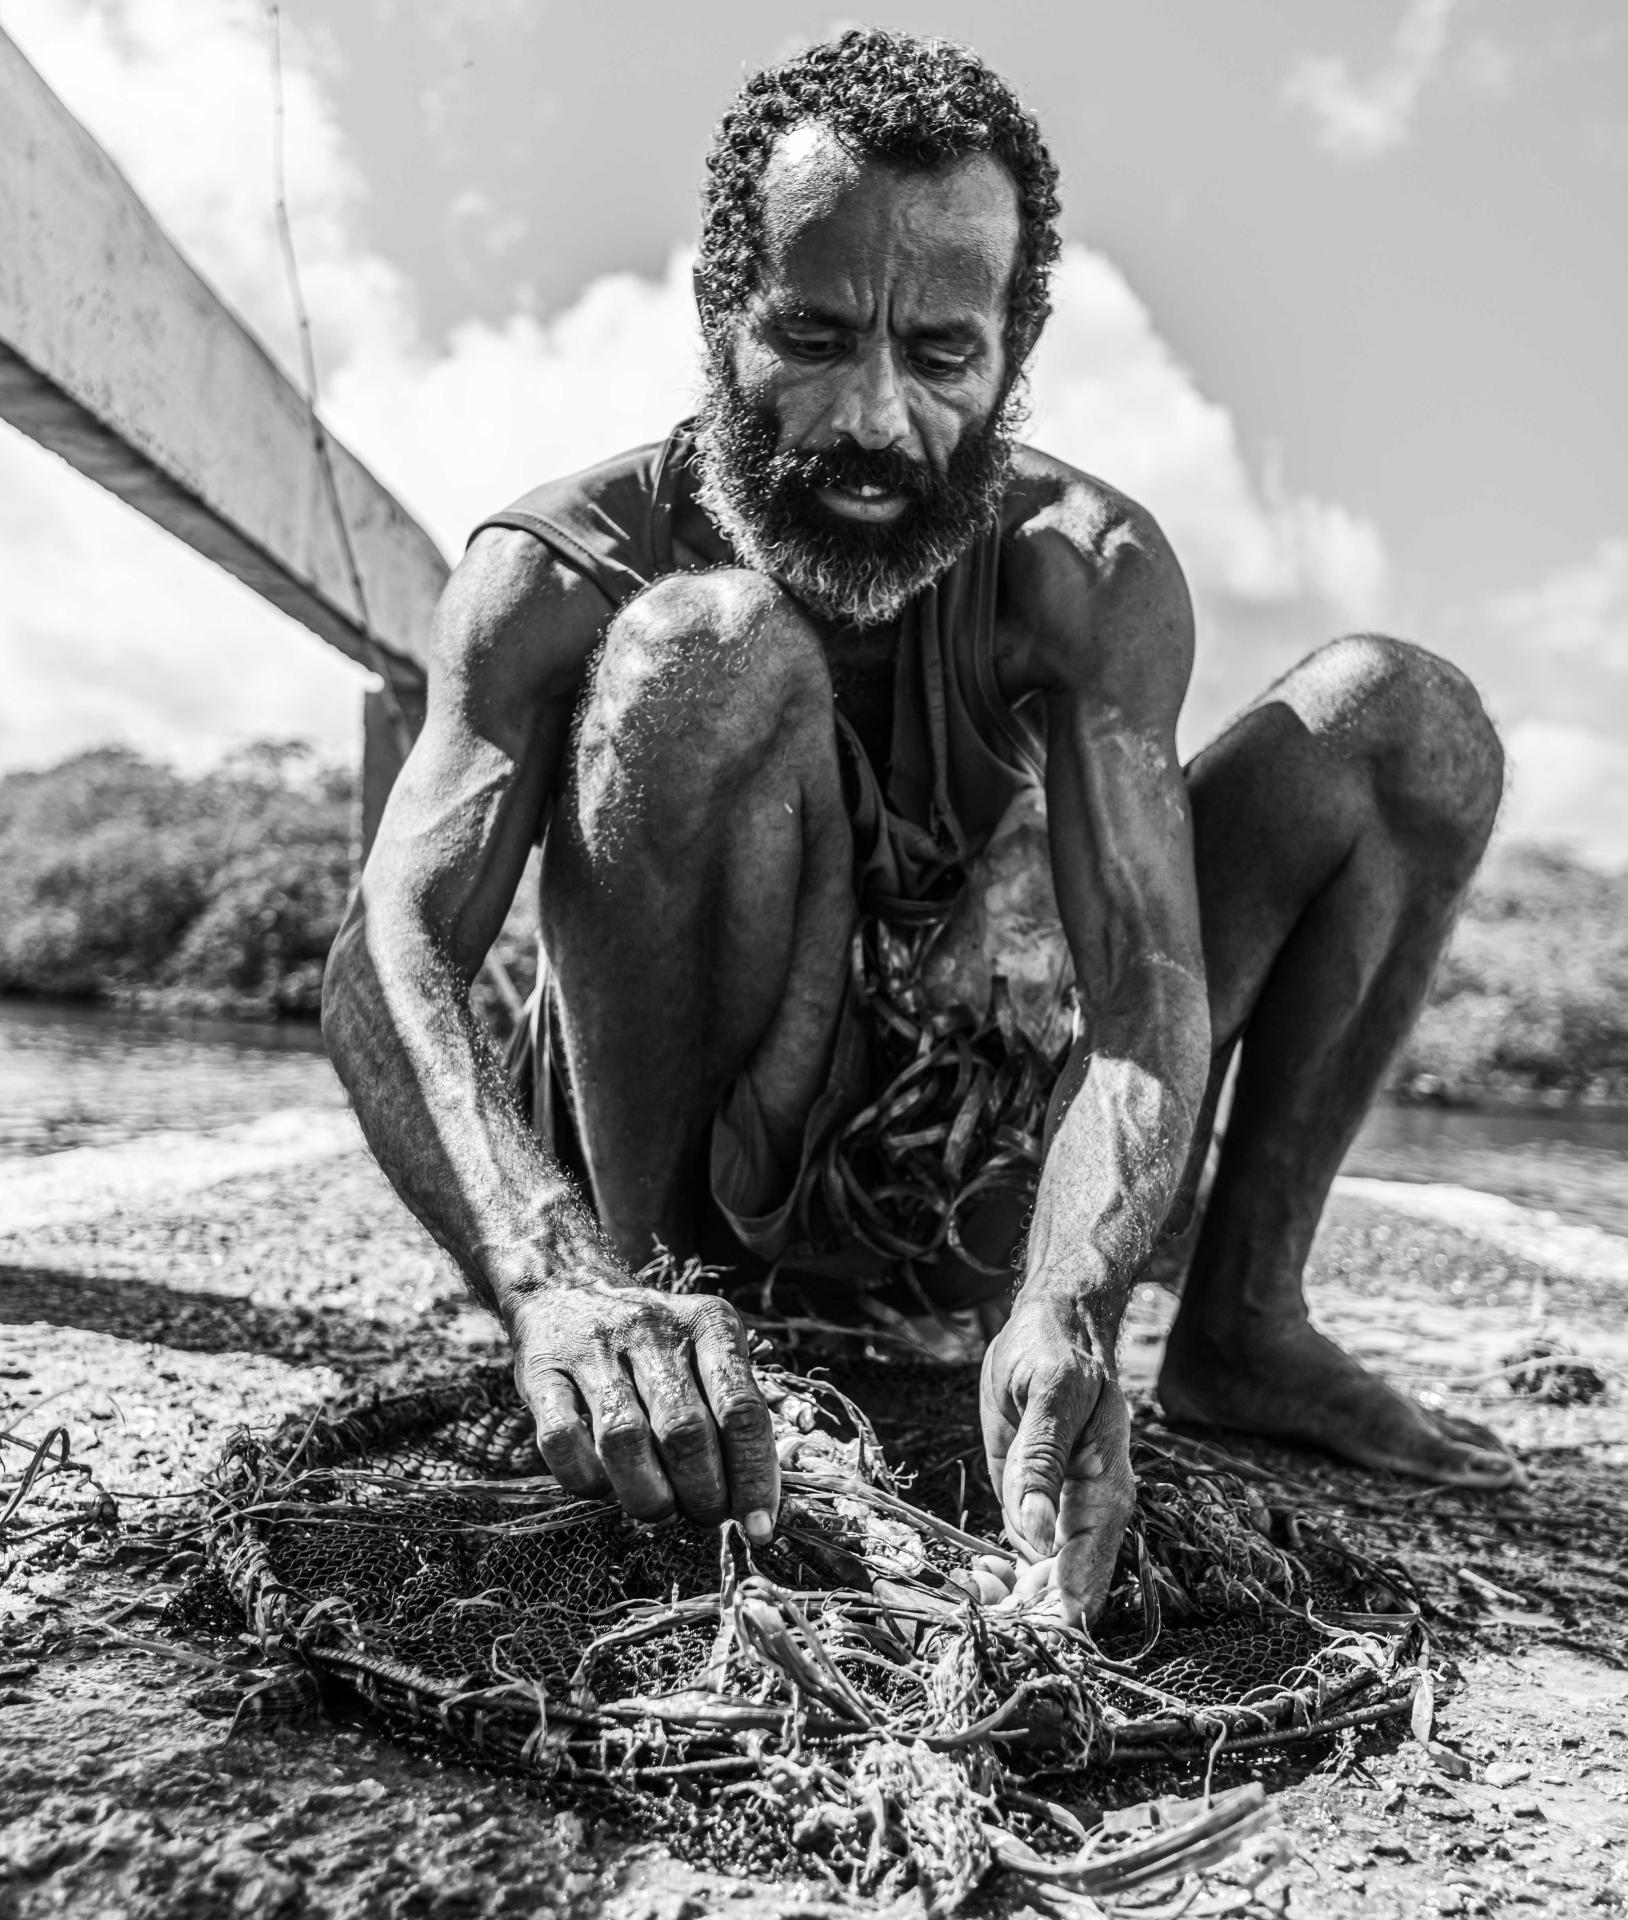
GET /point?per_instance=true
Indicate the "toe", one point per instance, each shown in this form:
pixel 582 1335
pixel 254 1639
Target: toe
pixel 1486 1460
pixel 1458 1426
pixel 1450 1463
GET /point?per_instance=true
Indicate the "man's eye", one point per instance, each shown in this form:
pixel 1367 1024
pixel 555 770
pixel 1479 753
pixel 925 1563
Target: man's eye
pixel 941 366
pixel 812 346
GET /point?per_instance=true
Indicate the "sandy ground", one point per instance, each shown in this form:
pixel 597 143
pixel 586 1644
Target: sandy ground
pixel 154 1296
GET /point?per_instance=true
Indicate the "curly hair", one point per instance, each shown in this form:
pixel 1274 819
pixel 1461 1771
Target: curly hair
pixel 915 102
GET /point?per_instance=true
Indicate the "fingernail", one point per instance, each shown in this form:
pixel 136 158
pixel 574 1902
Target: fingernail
pixel 1038 1519
pixel 760 1526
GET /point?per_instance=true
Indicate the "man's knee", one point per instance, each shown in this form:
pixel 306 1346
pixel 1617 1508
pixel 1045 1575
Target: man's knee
pixel 1432 754
pixel 700 680
pixel 724 653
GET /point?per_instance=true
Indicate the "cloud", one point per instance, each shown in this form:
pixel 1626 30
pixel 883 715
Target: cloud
pixel 1555 651
pixel 459 428
pixel 1551 661
pixel 460 431
pixel 1576 621
pixel 1568 784
pixel 1362 119
pixel 502 407
pixel 1273 572
pixel 180 93
pixel 111 630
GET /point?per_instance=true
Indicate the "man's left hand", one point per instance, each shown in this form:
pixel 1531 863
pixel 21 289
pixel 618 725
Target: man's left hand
pixel 1057 1439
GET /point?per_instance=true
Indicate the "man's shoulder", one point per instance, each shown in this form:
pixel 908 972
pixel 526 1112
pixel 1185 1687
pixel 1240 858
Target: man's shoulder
pixel 1047 496
pixel 626 480
pixel 1089 575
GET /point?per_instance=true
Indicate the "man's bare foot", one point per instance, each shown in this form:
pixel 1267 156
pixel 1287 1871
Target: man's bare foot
pixel 1297 1385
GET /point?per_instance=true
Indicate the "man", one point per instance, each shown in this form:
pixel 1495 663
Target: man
pixel 813 664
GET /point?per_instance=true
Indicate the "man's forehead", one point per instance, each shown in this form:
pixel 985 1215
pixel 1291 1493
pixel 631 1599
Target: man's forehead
pixel 813 184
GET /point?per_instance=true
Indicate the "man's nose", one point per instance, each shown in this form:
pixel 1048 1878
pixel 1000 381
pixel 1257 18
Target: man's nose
pixel 872 411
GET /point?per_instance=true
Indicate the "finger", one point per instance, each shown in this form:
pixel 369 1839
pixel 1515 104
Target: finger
pixel 998 1414
pixel 681 1424
pixel 1099 1496
pixel 563 1438
pixel 1052 1420
pixel 623 1442
pixel 1034 1580
pixel 747 1432
pixel 997 1567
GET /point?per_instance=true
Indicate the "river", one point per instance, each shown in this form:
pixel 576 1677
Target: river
pixel 73 1076
pixel 90 1076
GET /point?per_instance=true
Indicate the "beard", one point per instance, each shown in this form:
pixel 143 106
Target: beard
pixel 855 572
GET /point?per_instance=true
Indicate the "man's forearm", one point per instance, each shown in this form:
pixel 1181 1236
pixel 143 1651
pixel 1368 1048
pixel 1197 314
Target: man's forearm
pixel 430 1093
pixel 1129 1099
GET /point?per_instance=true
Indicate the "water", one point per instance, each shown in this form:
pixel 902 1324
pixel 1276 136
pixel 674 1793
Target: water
pixel 87 1076
pixel 1573 1162
pixel 73 1077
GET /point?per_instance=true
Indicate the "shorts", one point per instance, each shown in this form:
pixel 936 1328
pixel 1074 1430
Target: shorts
pixel 921 1155
pixel 920 1158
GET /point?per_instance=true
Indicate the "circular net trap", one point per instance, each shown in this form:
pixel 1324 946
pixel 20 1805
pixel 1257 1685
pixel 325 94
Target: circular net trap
pixel 842 1697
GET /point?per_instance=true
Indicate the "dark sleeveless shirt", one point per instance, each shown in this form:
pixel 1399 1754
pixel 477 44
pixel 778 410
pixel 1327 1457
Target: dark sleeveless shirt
pixel 960 752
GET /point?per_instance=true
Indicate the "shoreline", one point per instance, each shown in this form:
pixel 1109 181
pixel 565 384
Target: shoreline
pixel 187 1016
pixel 164 1293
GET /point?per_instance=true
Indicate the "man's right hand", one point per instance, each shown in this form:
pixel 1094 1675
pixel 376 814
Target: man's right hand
pixel 648 1397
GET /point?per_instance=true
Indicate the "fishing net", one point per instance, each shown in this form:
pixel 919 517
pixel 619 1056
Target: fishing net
pixel 850 1696
pixel 957 1121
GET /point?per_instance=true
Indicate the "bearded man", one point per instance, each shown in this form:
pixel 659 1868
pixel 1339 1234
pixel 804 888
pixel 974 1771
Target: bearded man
pixel 839 655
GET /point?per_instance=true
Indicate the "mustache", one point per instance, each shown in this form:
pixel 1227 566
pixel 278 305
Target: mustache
pixel 853 466
pixel 765 500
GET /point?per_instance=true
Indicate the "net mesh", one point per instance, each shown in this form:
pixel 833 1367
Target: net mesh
pixel 843 1692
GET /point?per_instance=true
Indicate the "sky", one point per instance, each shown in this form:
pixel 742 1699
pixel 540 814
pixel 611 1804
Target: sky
pixel 1342 302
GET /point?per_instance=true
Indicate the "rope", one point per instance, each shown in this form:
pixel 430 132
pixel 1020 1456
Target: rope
pixel 378 656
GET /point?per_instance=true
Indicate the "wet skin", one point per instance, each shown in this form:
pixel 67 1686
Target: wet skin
pixel 1291 893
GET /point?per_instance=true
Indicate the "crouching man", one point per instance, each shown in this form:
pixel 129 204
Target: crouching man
pixel 842 659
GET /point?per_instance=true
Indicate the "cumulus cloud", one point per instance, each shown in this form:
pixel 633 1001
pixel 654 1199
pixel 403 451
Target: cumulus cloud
pixel 111 630
pixel 1556 651
pixel 460 427
pixel 460 431
pixel 1551 660
pixel 1273 572
pixel 1575 620
pixel 179 92
pixel 1358 119
pixel 1568 784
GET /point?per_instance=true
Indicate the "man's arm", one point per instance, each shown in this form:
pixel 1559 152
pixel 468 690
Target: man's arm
pixel 513 636
pixel 1113 653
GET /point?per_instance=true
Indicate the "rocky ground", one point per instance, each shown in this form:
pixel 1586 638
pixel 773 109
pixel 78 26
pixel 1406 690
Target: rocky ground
pixel 155 1295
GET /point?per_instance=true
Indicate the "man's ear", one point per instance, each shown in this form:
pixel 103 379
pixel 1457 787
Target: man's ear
pixel 698 288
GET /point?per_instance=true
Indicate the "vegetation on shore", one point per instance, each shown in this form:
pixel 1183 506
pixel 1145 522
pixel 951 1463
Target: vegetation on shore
pixel 124 881
pixel 1533 993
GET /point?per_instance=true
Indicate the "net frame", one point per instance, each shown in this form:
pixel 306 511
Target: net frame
pixel 845 1688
